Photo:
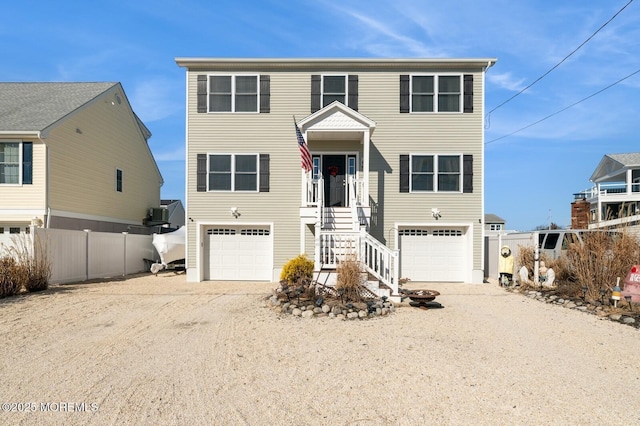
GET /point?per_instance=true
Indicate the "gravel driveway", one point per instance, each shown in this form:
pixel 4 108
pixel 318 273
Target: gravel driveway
pixel 157 350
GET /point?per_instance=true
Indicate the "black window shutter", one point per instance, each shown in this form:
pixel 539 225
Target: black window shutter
pixel 201 181
pixel 202 93
pixel 315 93
pixel 404 173
pixel 353 92
pixel 265 94
pixel 404 93
pixel 27 163
pixel 468 93
pixel 467 173
pixel 264 172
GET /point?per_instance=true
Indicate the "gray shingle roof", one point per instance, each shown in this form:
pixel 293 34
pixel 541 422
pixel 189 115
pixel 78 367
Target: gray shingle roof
pixel 629 159
pixel 492 218
pixel 35 106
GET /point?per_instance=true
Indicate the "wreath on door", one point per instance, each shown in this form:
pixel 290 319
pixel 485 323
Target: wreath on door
pixel 333 170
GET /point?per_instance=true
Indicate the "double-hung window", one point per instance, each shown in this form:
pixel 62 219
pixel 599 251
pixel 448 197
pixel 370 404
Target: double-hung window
pixel 16 163
pixel 10 163
pixel 233 93
pixel 233 172
pixel 435 173
pixel 334 88
pixel 119 179
pixel 436 93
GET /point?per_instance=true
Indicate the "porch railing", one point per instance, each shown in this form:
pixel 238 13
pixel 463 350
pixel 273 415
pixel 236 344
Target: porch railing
pixel 379 260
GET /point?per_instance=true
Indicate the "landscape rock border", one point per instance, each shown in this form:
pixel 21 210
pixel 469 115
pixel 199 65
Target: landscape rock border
pixel 597 308
pixel 348 311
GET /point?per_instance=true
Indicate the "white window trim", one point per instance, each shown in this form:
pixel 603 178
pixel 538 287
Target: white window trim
pixel 346 87
pixel 436 173
pixel 20 162
pixel 233 171
pixel 233 93
pixel 436 92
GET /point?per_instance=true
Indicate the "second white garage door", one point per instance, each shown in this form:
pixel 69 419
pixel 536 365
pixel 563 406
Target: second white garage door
pixel 243 253
pixel 433 254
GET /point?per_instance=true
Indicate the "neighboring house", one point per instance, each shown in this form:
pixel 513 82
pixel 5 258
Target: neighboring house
pixel 493 224
pixel 175 213
pixel 396 166
pixel 74 156
pixel 614 200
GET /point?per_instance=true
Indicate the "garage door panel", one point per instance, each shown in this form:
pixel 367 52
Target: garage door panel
pixel 433 254
pixel 239 253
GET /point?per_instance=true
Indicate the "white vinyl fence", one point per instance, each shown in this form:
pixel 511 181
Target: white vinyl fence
pixel 84 255
pixel 493 243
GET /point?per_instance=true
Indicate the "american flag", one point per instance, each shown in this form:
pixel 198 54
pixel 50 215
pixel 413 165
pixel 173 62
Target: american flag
pixel 305 155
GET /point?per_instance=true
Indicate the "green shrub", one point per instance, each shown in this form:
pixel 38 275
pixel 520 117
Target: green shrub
pixel 297 271
pixel 13 276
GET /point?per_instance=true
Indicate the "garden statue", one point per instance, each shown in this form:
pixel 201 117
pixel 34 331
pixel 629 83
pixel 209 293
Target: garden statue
pixel 505 266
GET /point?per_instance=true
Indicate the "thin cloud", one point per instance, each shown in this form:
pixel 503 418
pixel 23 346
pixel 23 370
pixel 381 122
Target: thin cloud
pixel 156 98
pixel 506 81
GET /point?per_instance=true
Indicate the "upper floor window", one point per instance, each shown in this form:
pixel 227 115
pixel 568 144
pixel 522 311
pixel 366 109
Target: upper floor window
pixel 431 173
pixel 436 93
pixel 334 88
pixel 233 93
pixel 16 160
pixel 233 172
pixel 495 227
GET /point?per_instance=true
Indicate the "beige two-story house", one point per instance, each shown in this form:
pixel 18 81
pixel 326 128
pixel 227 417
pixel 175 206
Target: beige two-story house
pixel 74 156
pixel 394 173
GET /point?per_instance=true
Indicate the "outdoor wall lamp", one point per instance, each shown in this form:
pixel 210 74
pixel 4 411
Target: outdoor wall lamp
pixel 435 213
pixel 234 212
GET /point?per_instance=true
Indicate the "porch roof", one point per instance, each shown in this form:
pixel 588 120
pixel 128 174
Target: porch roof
pixel 613 167
pixel 336 119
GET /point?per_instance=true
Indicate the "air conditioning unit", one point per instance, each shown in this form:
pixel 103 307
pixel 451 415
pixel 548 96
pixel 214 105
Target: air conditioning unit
pixel 159 215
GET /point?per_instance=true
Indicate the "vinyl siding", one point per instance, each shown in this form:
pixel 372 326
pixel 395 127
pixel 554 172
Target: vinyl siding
pixel 83 164
pixel 394 134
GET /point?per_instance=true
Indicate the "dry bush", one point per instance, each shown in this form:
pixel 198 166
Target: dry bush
pixel 598 262
pixel 13 276
pixel 32 253
pixel 350 279
pixel 297 271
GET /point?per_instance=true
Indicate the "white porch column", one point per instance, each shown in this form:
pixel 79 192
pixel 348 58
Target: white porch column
pixel 599 213
pixel 629 182
pixel 365 166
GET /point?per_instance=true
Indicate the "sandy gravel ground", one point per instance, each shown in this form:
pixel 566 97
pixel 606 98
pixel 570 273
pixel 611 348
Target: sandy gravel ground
pixel 157 350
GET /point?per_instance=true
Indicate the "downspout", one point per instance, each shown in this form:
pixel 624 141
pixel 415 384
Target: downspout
pixel 46 184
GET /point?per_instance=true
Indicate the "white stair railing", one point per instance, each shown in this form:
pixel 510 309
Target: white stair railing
pixel 380 261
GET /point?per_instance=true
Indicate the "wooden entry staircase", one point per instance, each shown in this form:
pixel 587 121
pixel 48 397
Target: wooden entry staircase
pixel 341 233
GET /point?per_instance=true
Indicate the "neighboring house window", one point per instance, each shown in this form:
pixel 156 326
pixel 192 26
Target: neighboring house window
pixel 436 173
pixel 495 227
pixel 14 230
pixel 233 93
pixel 16 163
pixel 118 180
pixel 326 89
pixel 233 172
pixel 1 230
pixel 436 93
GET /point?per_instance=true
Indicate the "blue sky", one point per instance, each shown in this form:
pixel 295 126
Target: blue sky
pixel 531 176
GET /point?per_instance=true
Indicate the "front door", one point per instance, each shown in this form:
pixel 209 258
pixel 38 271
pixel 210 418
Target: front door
pixel 333 173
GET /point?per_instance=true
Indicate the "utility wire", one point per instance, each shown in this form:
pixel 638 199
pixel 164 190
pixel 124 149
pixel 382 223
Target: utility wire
pixel 565 108
pixel 559 63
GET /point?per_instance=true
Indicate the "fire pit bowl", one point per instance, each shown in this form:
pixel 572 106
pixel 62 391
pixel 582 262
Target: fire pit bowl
pixel 421 298
pixel 423 295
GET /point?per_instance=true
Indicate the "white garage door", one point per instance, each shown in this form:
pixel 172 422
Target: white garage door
pixel 238 253
pixel 433 254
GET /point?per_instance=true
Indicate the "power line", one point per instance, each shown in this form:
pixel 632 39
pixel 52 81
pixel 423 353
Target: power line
pixel 564 59
pixel 565 108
